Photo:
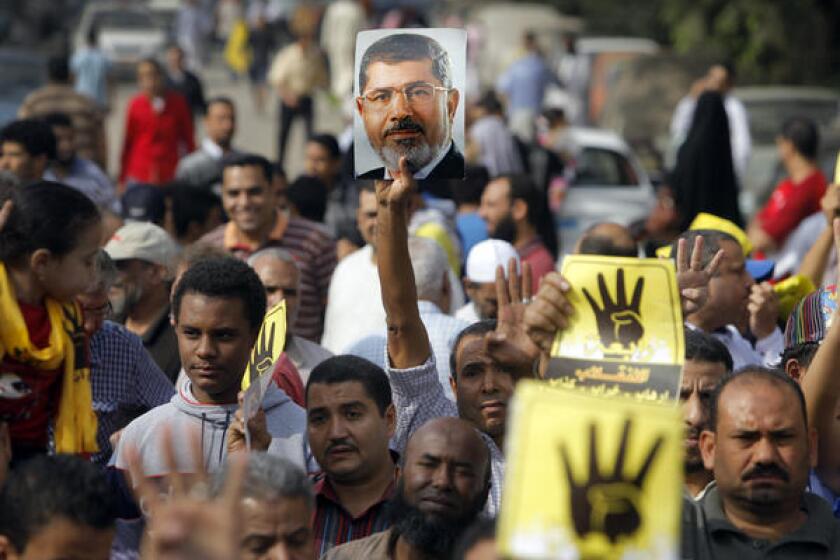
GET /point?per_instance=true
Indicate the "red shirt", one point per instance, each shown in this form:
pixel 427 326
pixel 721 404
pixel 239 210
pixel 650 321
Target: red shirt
pixel 540 259
pixel 790 204
pixel 155 141
pixel 33 413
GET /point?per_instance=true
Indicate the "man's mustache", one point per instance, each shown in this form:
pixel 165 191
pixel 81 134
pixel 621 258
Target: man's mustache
pixel 406 124
pixel 766 470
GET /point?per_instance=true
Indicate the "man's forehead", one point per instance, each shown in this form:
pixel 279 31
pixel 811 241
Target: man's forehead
pixel 397 74
pixel 698 370
pixel 287 513
pixel 447 445
pixel 212 311
pixel 471 349
pixel 337 394
pixel 238 176
pixel 751 403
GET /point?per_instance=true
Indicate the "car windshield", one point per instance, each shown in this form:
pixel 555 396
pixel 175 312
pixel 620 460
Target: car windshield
pixel 122 19
pixel 596 167
pixel 767 117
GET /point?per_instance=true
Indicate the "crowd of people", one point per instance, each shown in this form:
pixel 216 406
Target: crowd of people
pixel 130 304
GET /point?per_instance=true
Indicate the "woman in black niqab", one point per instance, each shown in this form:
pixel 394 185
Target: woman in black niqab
pixel 704 178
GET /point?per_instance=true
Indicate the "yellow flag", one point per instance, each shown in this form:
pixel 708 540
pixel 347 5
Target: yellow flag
pixel 588 478
pixel 270 342
pixel 626 334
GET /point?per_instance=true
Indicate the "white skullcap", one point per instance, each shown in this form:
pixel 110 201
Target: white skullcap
pixel 484 257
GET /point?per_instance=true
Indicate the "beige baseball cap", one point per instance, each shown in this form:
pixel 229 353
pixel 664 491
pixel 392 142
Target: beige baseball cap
pixel 144 241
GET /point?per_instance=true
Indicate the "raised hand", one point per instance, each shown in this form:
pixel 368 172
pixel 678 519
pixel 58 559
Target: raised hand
pixel 763 308
pixel 398 191
pixel 237 440
pixel 189 524
pixel 619 322
pixel 608 503
pixel 693 279
pixel 509 345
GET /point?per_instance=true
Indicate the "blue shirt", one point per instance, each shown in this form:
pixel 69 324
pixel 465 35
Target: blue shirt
pixel 86 177
pixel 524 83
pixel 817 487
pixel 125 382
pixel 90 66
pixel 472 229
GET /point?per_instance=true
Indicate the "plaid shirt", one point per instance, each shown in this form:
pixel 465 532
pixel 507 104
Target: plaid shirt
pixel 418 398
pixel 125 383
pixel 334 525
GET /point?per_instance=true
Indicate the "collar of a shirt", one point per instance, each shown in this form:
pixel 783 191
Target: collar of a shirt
pixel 429 167
pixel 425 306
pixel 235 239
pixel 814 530
pixel 212 149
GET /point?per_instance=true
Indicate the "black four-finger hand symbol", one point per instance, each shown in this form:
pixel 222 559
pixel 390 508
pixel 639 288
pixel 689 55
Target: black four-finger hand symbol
pixel 619 322
pixel 608 503
pixel 262 356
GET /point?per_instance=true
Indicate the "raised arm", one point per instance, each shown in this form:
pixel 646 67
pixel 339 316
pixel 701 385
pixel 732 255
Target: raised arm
pixel 821 384
pixel 408 342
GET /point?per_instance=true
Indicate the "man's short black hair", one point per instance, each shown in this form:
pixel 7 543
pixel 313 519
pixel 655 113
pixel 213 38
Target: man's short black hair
pixel 34 135
pixel 341 369
pixel 154 63
pixel 476 329
pixel 309 197
pixel 772 376
pixel 329 142
pixel 490 102
pixel 248 160
pixel 190 205
pixel 712 239
pixel 703 347
pixel 222 100
pixel 804 135
pixel 58 119
pixel 402 47
pixel 58 69
pixel 224 277
pixel 591 244
pixel 469 190
pixel 802 352
pixel 47 488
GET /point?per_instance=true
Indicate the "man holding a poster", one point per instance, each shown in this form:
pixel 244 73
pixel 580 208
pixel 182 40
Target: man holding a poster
pixel 407 104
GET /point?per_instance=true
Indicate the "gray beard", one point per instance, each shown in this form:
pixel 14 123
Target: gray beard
pixel 418 154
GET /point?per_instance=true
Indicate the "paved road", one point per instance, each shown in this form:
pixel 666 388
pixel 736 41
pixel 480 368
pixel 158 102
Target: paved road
pixel 255 132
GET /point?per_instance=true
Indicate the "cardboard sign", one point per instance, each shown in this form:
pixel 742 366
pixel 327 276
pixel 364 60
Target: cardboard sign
pixel 270 342
pixel 587 478
pixel 626 335
pixel 409 101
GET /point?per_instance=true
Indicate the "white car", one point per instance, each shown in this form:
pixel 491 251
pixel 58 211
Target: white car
pixel 128 33
pixel 606 183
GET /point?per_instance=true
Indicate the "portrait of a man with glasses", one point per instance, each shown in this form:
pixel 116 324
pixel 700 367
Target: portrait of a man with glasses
pixel 407 104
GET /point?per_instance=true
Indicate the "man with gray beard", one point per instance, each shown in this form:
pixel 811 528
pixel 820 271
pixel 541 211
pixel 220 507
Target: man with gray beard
pixel 408 105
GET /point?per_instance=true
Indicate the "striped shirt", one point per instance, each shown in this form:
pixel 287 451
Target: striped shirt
pixel 83 111
pixel 334 525
pixel 314 250
pixel 125 382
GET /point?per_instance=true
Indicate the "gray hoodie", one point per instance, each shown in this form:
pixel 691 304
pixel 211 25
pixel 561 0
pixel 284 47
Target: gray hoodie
pixel 286 424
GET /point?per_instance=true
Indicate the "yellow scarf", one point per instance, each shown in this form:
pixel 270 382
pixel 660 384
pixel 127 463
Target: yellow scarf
pixel 75 426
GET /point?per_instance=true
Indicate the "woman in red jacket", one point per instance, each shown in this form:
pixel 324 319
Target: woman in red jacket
pixel 158 129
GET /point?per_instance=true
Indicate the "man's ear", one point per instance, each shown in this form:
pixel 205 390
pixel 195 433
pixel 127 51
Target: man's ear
pixel 452 103
pixel 391 419
pixel 519 210
pixel 453 384
pixel 707 449
pixel 360 106
pixel 7 550
pixel 794 369
pixel 38 260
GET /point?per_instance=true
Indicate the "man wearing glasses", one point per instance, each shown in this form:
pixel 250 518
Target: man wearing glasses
pixel 407 104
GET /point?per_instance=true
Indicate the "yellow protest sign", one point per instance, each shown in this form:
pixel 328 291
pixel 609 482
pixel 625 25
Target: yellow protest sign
pixel 626 335
pixel 588 478
pixel 270 342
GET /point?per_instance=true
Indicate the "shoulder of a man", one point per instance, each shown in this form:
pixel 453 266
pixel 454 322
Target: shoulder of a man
pixel 143 434
pixel 374 547
pixel 215 237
